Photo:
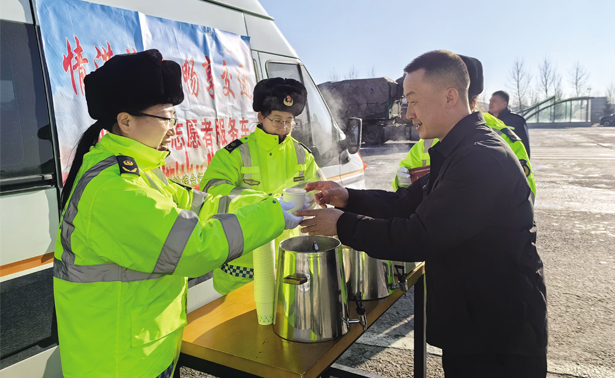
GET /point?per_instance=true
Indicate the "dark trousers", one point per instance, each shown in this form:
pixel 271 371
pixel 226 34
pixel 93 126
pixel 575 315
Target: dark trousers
pixel 493 366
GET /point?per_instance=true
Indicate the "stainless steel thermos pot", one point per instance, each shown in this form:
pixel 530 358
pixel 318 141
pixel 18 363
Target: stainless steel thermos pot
pixel 311 299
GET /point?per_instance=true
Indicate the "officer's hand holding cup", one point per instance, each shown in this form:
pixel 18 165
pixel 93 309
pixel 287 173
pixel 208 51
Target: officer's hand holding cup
pixel 290 221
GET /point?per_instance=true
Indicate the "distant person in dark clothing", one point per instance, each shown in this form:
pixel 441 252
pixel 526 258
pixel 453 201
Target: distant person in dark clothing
pixel 470 219
pixel 499 108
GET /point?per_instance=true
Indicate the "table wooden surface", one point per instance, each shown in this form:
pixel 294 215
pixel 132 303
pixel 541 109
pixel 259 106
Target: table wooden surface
pixel 226 332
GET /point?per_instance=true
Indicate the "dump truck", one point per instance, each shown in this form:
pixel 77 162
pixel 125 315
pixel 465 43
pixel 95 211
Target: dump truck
pixel 379 102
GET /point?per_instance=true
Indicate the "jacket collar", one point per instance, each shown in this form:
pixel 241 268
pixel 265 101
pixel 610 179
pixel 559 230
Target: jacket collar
pixel 268 141
pixel 504 112
pixel 465 126
pixel 146 157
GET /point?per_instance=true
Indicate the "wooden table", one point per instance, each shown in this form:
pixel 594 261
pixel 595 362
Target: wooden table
pixel 223 338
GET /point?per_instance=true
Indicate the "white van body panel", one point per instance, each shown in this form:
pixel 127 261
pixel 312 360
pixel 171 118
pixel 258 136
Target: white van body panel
pixel 16 10
pixel 352 174
pixel 265 36
pixel 250 6
pixel 45 364
pixel 201 294
pixel 190 11
pixel 29 220
pixel 28 225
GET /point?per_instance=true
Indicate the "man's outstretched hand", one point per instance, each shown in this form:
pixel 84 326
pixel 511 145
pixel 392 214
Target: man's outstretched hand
pixel 323 221
pixel 330 193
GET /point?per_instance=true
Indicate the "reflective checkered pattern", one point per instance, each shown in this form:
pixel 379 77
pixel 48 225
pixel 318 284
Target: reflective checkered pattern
pixel 238 271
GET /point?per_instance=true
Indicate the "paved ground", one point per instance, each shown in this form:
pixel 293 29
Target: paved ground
pixel 574 211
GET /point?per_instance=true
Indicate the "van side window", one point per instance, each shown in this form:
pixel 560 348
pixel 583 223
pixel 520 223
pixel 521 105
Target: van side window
pixel 314 128
pixel 321 122
pixel 26 152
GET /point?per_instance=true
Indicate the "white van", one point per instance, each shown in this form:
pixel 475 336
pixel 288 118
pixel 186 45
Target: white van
pixel 30 182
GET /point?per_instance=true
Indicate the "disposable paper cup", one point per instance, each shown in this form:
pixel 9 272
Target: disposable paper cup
pixel 265 312
pixel 263 263
pixel 295 195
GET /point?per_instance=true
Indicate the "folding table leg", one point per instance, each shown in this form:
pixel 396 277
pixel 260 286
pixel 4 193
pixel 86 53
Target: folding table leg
pixel 420 328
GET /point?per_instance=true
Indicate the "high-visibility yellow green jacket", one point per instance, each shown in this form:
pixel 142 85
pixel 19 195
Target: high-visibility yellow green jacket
pixel 418 155
pixel 255 164
pixel 127 242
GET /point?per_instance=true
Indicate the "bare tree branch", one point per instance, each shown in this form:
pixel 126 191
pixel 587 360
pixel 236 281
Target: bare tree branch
pixel 519 79
pixel 333 75
pixel 609 93
pixel 578 78
pixel 535 97
pixel 558 86
pixel 546 77
pixel 352 74
pixel 372 72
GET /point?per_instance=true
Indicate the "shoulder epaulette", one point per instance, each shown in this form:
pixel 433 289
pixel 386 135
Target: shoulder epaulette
pixel 127 165
pixel 306 147
pixel 507 131
pixel 233 145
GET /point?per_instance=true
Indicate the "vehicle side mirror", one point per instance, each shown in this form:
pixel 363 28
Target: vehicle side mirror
pixel 353 135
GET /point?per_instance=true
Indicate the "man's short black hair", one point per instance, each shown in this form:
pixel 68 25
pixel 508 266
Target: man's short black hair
pixel 444 66
pixel 504 95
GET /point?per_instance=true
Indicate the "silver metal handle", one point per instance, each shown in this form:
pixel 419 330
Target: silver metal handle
pixel 295 280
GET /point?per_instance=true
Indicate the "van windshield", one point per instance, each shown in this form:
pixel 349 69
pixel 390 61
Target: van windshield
pixel 316 127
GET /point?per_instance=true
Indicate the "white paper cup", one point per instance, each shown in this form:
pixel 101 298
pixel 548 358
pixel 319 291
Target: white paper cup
pixel 295 195
pixel 263 259
pixel 265 312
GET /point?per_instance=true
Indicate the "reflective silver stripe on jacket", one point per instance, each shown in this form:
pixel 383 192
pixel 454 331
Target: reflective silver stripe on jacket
pixel 301 155
pixel 233 233
pixel 198 200
pixel 225 201
pixel 237 191
pixel 98 273
pixel 152 183
pixel 223 204
pixel 246 160
pixel 66 269
pixel 216 182
pixel 176 242
pixel 71 209
pixel 161 176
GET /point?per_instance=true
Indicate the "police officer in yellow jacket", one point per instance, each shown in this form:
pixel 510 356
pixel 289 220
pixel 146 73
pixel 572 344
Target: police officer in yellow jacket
pixel 128 237
pixel 266 161
pixel 417 161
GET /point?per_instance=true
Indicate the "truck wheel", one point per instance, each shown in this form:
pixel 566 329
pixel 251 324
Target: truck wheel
pixel 607 123
pixel 373 135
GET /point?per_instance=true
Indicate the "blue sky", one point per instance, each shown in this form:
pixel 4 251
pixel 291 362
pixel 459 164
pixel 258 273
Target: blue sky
pixel 388 34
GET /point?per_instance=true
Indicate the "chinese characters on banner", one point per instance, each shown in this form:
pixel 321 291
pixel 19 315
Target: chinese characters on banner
pixel 217 74
pixel 195 134
pixel 74 61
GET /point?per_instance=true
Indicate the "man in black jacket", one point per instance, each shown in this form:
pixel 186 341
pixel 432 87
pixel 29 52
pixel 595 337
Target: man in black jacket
pixel 499 108
pixel 470 219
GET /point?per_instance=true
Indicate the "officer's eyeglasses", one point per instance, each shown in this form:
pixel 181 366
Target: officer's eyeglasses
pixel 277 122
pixel 171 122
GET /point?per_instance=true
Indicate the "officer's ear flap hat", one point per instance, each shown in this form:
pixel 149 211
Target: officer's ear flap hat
pixel 475 72
pixel 286 95
pixel 131 83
